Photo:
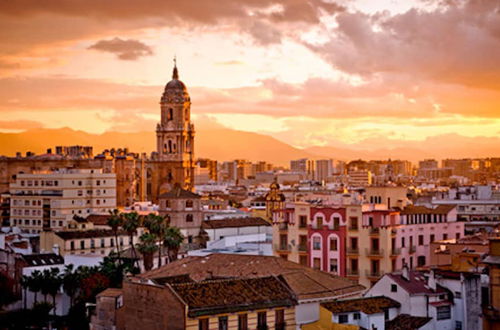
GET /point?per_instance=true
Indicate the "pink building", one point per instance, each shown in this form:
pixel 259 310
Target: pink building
pixel 327 237
pixel 420 226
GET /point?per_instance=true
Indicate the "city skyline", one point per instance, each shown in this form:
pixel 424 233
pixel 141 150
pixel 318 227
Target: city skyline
pixel 310 74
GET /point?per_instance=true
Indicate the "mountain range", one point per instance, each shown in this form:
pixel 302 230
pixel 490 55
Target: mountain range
pixel 227 144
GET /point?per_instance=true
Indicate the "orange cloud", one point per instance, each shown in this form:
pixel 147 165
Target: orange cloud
pixel 124 49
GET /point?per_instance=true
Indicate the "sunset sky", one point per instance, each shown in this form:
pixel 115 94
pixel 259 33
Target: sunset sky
pixel 308 72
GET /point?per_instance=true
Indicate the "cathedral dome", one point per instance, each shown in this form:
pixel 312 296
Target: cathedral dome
pixel 175 90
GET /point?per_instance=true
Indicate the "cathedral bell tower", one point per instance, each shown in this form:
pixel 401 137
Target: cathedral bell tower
pixel 175 138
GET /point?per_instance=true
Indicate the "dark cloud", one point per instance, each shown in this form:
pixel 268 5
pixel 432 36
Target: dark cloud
pixel 125 49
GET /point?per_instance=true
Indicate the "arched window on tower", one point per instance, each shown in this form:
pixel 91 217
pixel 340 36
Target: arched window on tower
pixel 170 146
pixel 186 116
pixel 165 148
pixel 170 114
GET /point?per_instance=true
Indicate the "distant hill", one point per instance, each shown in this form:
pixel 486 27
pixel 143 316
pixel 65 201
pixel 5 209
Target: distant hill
pixel 226 144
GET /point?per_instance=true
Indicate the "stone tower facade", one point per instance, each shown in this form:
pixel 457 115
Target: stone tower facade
pixel 173 162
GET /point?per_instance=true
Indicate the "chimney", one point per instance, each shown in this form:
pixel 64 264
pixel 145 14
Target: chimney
pixel 431 282
pixel 55 248
pixel 405 273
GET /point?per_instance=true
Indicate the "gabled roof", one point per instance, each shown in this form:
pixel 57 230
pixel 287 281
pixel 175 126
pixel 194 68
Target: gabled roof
pixel 235 222
pixel 178 192
pixel 419 209
pixel 405 322
pixel 368 305
pixel 45 259
pixel 416 284
pixel 305 282
pixel 98 219
pixel 234 295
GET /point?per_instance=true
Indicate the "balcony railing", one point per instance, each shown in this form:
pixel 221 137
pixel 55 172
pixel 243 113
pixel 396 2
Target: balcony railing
pixel 352 272
pixel 283 226
pixel 351 250
pixel 353 228
pixel 374 252
pixel 302 247
pixel 413 249
pixel 395 251
pixel 282 247
pixel 374 230
pixel 374 273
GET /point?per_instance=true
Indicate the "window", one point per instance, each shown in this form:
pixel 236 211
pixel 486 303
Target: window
pixel 354 243
pixel 420 239
pixel 319 223
pixel 189 203
pixel 302 221
pixel 357 316
pixel 333 244
pixel 189 218
pixel 111 242
pixel 421 261
pixel 316 243
pixel 432 238
pixel 92 243
pixel 443 313
pixel 82 245
pixel 279 318
pixel 458 325
pixel 72 245
pixel 458 295
pixel 402 242
pixel 317 263
pixel 60 223
pixel 394 288
pixel 354 223
pixel 242 322
pixel 457 235
pixel 333 266
pixel 203 324
pixel 222 322
pixel 102 242
pixel 343 318
pixel 261 320
pixel 445 236
pixel 336 223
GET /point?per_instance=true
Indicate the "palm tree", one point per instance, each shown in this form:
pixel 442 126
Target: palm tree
pixel 172 239
pixel 25 282
pixel 130 225
pixel 147 247
pixel 35 283
pixel 70 282
pixel 115 221
pixel 54 281
pixel 156 225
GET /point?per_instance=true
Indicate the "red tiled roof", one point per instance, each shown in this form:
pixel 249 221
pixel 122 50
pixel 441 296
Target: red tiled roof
pixel 111 292
pixel 368 305
pixel 98 219
pixel 233 295
pixel 417 283
pixel 235 222
pixel 178 192
pixel 405 322
pixel 419 209
pixel 305 282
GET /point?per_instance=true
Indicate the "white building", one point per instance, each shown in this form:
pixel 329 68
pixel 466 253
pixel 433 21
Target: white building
pixel 451 299
pixel 42 201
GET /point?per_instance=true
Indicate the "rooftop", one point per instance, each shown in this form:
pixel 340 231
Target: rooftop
pixel 405 321
pixel 45 259
pixel 416 284
pixel 94 233
pixel 235 222
pixel 178 192
pixel 232 295
pixel 419 209
pixel 368 305
pixel 305 282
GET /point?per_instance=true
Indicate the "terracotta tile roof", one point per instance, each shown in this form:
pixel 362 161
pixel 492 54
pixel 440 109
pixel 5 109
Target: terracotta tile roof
pixel 419 209
pixel 176 279
pixel 305 282
pixel 368 305
pixel 178 192
pixel 405 322
pixel 235 222
pixel 111 292
pixel 98 219
pixel 234 295
pixel 94 233
pixel 417 283
pixel 45 259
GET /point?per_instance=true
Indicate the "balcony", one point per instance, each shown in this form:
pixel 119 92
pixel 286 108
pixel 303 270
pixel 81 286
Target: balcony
pixel 413 249
pixel 283 226
pixel 374 273
pixel 352 250
pixel 375 252
pixel 374 231
pixel 302 247
pixel 353 228
pixel 352 272
pixel 282 247
pixel 394 231
pixel 395 251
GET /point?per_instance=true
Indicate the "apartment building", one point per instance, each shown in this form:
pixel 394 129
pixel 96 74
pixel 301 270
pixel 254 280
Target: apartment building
pixel 50 200
pixel 327 236
pixel 359 178
pixel 290 232
pixel 420 226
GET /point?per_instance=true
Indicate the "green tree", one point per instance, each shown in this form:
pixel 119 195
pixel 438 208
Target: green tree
pixel 156 224
pixel 130 225
pixel 172 240
pixel 115 221
pixel 35 281
pixel 147 247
